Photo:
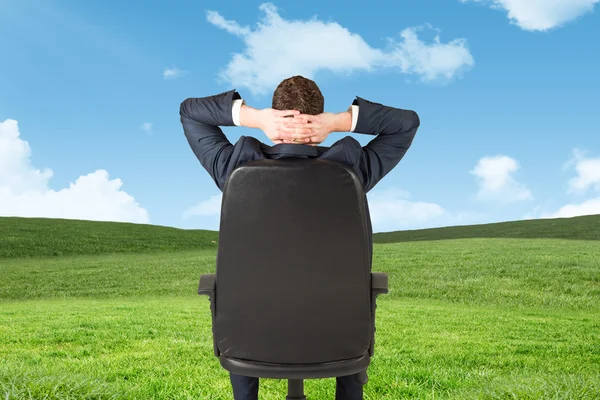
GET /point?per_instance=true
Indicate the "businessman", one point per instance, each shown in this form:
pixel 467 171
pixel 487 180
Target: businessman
pixel 297 124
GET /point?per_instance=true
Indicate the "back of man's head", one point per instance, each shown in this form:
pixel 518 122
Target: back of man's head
pixel 298 93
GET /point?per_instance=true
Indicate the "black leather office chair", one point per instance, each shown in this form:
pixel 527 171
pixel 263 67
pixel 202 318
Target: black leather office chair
pixel 293 296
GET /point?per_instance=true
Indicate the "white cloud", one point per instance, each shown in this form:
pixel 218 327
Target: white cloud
pixel 174 73
pixel 280 48
pixel 24 189
pixel 588 207
pixel 541 15
pixel 230 26
pixel 392 209
pixel 496 182
pixel 587 178
pixel 209 207
pixel 147 127
pixel 588 173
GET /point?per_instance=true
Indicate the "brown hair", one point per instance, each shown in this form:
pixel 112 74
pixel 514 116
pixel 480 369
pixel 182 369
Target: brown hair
pixel 298 93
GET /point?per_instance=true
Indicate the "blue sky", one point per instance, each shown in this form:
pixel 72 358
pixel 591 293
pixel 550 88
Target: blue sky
pixel 507 92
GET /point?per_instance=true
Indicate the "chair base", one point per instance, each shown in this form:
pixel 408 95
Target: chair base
pixel 295 390
pixel 296 386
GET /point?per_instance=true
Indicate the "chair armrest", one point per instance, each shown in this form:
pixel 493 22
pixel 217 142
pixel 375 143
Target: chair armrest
pixel 379 283
pixel 207 285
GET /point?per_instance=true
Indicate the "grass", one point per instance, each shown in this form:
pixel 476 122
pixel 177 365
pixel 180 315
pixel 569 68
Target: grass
pixel 160 348
pixel 484 318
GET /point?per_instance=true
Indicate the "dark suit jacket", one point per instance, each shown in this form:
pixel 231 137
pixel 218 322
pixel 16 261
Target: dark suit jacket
pixel 394 129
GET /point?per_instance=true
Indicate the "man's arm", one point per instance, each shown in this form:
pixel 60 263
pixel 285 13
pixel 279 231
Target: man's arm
pixel 202 117
pixel 395 129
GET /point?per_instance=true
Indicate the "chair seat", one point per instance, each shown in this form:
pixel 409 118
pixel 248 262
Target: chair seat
pixel 301 371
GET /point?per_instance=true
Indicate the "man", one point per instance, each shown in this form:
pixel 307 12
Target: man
pixel 297 124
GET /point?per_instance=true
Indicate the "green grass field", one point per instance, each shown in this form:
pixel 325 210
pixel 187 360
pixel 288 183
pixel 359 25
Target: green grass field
pixel 110 311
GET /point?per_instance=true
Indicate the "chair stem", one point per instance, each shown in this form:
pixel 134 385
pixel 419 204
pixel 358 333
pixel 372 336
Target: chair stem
pixel 295 389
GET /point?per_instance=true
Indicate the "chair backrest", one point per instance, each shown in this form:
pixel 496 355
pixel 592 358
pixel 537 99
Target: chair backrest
pixel 293 264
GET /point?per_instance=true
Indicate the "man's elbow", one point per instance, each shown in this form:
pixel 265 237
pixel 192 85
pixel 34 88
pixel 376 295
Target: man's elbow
pixel 410 121
pixel 184 107
pixel 416 121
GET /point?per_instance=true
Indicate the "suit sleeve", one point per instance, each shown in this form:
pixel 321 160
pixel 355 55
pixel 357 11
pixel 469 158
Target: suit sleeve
pixel 395 129
pixel 201 119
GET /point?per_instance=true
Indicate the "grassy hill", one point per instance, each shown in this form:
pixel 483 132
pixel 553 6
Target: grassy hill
pixel 40 237
pixel 577 228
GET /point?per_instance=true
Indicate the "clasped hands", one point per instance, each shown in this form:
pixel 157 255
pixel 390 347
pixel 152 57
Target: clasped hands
pixel 290 126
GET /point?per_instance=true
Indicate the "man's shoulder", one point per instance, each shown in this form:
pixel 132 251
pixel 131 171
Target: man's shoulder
pixel 252 145
pixel 346 150
pixel 248 146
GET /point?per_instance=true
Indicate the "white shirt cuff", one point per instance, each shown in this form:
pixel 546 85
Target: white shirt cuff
pixel 354 112
pixel 235 111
